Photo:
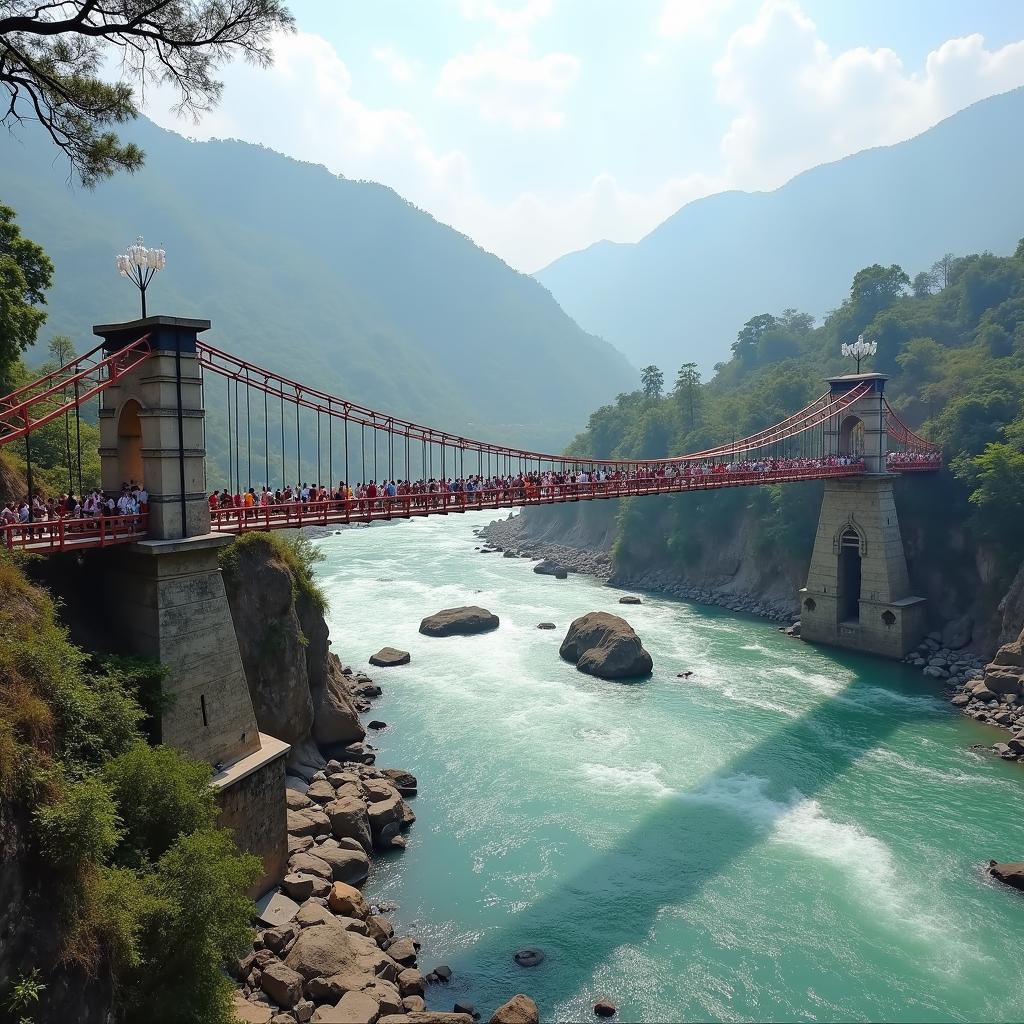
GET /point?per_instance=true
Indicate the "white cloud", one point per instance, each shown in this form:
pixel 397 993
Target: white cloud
pixel 533 230
pixel 517 16
pixel 683 17
pixel 795 104
pixel 304 106
pixel 400 68
pixel 798 104
pixel 510 86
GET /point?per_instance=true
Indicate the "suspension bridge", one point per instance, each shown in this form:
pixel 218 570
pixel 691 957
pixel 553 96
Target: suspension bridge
pixel 848 431
pixel 150 384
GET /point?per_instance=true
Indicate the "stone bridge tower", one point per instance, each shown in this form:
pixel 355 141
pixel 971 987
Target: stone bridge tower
pixel 858 588
pixel 167 593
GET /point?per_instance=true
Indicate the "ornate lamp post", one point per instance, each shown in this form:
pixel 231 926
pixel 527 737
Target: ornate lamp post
pixel 139 264
pixel 860 349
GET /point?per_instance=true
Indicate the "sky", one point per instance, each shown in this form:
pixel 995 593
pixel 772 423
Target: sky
pixel 538 127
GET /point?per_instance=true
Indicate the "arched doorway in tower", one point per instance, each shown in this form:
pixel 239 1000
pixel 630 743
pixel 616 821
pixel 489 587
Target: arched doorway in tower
pixel 129 442
pixel 849 576
pixel 851 436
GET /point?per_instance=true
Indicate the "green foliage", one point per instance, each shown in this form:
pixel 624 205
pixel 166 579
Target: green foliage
pixel 293 548
pixel 148 887
pixel 955 353
pixel 24 993
pixel 81 827
pixel 52 66
pixel 160 795
pixel 199 920
pixel 26 274
pixel 652 380
pixel 999 498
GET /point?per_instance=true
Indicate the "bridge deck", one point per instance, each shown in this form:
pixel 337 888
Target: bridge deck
pixel 80 534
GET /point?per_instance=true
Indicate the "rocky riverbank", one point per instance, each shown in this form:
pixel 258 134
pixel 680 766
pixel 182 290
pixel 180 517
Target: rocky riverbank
pixel 322 952
pixel 509 535
pixel 994 695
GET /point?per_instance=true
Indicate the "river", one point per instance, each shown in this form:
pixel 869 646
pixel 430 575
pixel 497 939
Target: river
pixel 795 834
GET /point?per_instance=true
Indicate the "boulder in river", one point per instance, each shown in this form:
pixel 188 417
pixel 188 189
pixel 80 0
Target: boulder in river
pixel 529 957
pixel 546 567
pixel 546 625
pixel 387 657
pixel 630 599
pixel 459 622
pixel 604 645
pixel 520 1009
pixel 1011 873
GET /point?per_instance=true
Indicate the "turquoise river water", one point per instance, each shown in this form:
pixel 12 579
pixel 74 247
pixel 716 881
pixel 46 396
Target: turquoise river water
pixel 796 834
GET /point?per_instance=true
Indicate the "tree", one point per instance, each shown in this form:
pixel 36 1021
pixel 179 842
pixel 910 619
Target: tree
pixel 52 55
pixel 876 288
pixel 62 349
pixel 653 381
pixel 999 471
pixel 1019 251
pixel 25 274
pixel 687 384
pixel 923 284
pixel 944 267
pixel 750 335
pixel 794 322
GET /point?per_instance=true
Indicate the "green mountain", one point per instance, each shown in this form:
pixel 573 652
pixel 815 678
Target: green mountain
pixel 338 283
pixel 684 290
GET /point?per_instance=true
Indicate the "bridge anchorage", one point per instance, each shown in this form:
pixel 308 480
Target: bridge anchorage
pixel 153 378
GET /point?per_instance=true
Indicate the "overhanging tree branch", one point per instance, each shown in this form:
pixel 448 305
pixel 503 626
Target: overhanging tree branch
pixel 51 55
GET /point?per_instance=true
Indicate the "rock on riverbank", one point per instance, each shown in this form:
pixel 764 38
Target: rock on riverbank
pixel 993 694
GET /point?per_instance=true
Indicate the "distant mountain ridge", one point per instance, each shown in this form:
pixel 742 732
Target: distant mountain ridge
pixel 683 291
pixel 338 283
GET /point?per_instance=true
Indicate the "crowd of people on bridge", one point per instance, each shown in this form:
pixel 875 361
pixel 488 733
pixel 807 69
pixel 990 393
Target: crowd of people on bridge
pixel 397 496
pixel 898 458
pixel 523 487
pixel 36 518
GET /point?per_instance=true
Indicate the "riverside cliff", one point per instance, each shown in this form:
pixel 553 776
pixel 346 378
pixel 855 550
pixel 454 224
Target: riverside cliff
pixel 298 688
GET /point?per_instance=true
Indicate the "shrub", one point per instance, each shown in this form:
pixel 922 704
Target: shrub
pixel 297 552
pixel 148 888
pixel 160 795
pixel 81 826
pixel 198 920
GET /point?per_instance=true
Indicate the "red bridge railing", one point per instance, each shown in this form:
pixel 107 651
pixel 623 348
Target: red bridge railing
pixel 296 514
pixel 72 534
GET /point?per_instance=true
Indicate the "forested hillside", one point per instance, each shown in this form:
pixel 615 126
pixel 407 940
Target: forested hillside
pixel 955 351
pixel 338 283
pixel 680 292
